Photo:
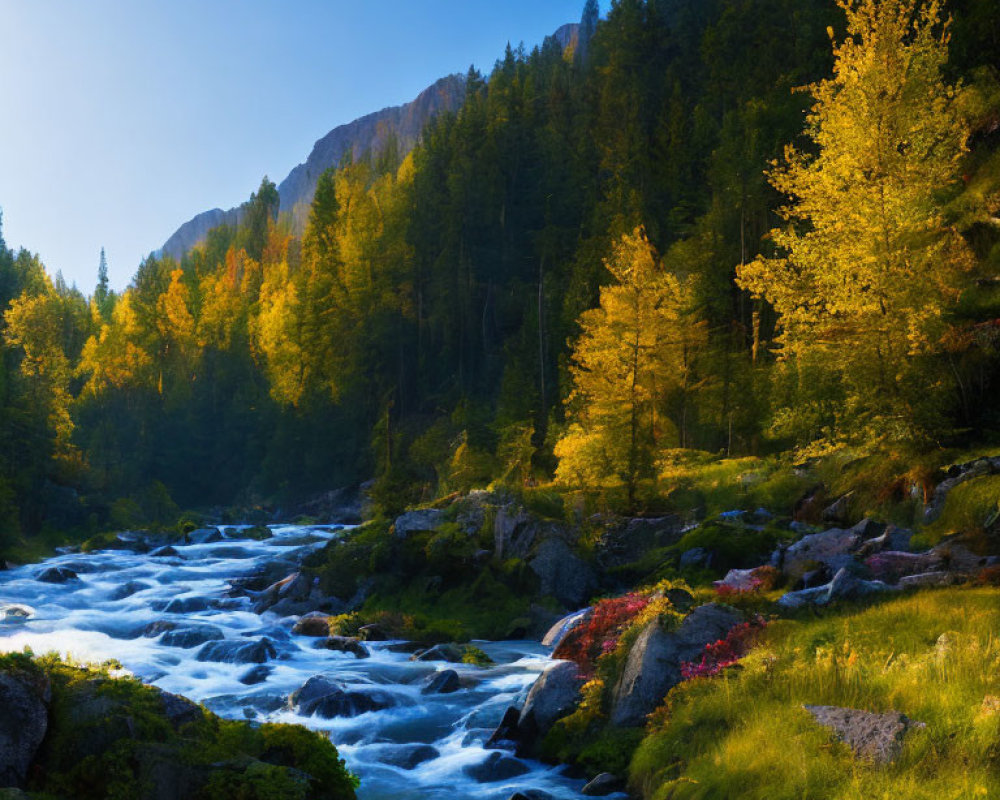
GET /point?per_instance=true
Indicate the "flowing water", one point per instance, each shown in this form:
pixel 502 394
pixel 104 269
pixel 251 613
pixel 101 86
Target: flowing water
pixel 105 613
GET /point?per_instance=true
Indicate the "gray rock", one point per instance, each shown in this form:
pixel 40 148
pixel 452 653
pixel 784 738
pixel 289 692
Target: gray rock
pixel 832 548
pixel 873 737
pixel 530 794
pixel 204 536
pixel 451 653
pixel 603 784
pixel 444 682
pixel 343 644
pixel 24 720
pixel 496 767
pixel 321 696
pixel 868 528
pixel 192 636
pixel 844 586
pixel 15 613
pixel 696 557
pixel 815 595
pixel 313 624
pixel 553 695
pixel 57 575
pixel 514 532
pixel 186 605
pixel 420 521
pixel 633 538
pixel 164 552
pixel 562 574
pixel 740 580
pixel 959 558
pixel 891 565
pixel 816 577
pixel 255 675
pixel 560 629
pixel 839 509
pixel 654 663
pixel 128 589
pixel 231 651
pixel 930 579
pixel 410 757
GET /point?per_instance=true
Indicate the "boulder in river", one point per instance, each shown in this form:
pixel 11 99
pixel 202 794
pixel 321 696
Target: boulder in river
pixel 553 695
pixel 128 589
pixel 560 629
pixel 322 697
pixel 186 605
pixel 496 767
pixel 232 651
pixel 451 653
pixel 24 719
pixel 654 663
pixel 15 613
pixel 443 682
pixel 315 623
pixel 192 636
pixel 255 675
pixel 343 644
pixel 57 575
pixel 873 737
pixel 409 756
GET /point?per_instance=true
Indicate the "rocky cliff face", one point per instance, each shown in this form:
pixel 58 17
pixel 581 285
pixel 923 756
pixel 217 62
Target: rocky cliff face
pixel 369 133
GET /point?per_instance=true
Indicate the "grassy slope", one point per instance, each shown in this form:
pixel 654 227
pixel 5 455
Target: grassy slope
pixel 744 733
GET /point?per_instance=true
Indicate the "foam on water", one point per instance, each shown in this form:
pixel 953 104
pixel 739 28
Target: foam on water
pixel 89 620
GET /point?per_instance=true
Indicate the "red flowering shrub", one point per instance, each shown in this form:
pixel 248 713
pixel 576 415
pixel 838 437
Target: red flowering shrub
pixel 599 633
pixel 725 652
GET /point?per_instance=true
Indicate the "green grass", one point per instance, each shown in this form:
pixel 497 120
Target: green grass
pixel 969 507
pixel 744 733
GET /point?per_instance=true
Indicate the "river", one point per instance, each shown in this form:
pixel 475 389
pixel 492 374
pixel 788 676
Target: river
pixel 105 614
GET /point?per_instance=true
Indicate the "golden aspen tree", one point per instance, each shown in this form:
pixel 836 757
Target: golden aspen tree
pixel 632 350
pixel 866 266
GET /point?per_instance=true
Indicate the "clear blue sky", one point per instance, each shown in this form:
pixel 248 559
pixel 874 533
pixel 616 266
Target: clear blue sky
pixel 121 119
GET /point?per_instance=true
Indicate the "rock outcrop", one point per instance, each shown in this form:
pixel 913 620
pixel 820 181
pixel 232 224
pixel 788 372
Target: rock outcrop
pixel 873 737
pixel 24 700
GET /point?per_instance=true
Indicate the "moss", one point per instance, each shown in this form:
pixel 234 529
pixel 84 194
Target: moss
pixel 473 655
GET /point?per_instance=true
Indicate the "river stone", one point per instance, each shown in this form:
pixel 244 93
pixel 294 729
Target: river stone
pixel 323 697
pixel 186 605
pixel 410 756
pixel 162 552
pixel 422 520
pixel 654 663
pixel 57 575
pixel 560 629
pixel 451 653
pixel 24 720
pixel 15 613
pixel 129 589
pixel 313 624
pixel 230 651
pixel 204 536
pixel 187 638
pixel 832 548
pixel 530 794
pixel 444 682
pixel 603 784
pixel 562 574
pixel 873 737
pixel 496 767
pixel 553 695
pixel 255 675
pixel 343 644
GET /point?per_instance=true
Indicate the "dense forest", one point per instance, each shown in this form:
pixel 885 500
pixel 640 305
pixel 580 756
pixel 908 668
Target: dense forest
pixel 652 242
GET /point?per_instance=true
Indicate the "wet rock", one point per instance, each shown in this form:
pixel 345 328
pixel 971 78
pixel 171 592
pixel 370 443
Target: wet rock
pixel 451 653
pixel 313 624
pixel 343 644
pixel 530 794
pixel 873 737
pixel 321 696
pixel 255 675
pixel 405 647
pixel 832 548
pixel 603 784
pixel 496 767
pixel 163 552
pixel 553 695
pixel 257 533
pixel 444 682
pixel 204 536
pixel 57 575
pixel 562 574
pixel 409 757
pixel 505 734
pixel 654 663
pixel 15 613
pixel 372 633
pixel 560 629
pixel 129 589
pixel 422 520
pixel 24 720
pixel 186 605
pixel 633 538
pixel 189 637
pixel 231 651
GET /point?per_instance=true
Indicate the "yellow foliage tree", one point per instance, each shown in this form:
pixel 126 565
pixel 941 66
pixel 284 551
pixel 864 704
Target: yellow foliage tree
pixel 867 267
pixel 634 349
